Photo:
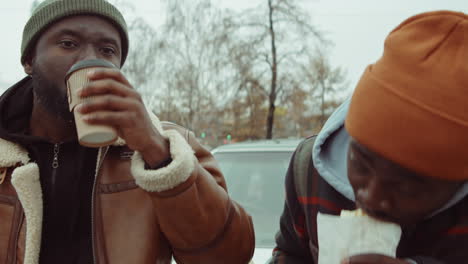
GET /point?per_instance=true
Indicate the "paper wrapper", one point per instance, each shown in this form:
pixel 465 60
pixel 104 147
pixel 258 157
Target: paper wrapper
pixel 344 236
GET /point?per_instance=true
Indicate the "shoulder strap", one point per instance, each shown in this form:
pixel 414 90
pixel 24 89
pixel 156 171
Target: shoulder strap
pixel 301 163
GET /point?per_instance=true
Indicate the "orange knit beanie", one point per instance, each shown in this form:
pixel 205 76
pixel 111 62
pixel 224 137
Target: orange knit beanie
pixel 411 106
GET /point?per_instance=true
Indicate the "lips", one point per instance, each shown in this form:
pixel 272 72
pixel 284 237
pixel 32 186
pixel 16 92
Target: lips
pixel 377 214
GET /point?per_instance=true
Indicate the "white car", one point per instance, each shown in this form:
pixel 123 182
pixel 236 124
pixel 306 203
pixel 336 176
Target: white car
pixel 255 173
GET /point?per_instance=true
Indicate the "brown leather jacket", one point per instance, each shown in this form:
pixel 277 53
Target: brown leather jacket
pixel 193 220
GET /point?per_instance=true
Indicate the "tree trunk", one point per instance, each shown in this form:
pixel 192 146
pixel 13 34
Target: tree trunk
pixel 322 118
pixel 274 76
pixel 191 111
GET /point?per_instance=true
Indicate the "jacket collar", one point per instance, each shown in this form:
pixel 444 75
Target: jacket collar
pixel 12 154
pixel 25 180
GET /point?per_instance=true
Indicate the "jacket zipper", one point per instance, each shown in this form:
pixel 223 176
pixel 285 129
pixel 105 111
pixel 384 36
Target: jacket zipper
pixel 55 164
pixel 101 155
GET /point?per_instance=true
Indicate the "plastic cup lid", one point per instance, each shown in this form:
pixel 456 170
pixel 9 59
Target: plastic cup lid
pixel 88 63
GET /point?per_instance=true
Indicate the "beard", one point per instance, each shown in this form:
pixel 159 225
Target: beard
pixel 51 96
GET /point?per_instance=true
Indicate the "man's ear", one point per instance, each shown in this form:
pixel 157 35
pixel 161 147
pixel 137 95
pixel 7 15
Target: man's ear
pixel 28 64
pixel 27 68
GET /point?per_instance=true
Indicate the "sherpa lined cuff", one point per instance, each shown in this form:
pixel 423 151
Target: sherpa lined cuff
pixel 166 178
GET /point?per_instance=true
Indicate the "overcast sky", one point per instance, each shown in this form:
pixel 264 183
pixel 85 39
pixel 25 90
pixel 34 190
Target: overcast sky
pixel 357 27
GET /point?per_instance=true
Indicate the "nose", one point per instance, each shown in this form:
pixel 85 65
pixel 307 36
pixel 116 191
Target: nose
pixel 373 196
pixel 88 52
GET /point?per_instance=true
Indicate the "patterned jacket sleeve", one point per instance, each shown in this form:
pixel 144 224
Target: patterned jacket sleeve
pixel 292 240
pixel 423 260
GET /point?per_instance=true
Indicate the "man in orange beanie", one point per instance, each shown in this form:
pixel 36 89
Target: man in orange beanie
pixel 398 150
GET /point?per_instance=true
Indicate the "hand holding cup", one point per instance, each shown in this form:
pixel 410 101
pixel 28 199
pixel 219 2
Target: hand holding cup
pixel 90 135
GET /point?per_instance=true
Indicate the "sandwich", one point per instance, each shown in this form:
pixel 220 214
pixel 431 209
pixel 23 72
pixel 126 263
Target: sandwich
pixel 352 233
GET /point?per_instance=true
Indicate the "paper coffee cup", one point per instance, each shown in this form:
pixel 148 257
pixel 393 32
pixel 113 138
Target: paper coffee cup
pixel 76 78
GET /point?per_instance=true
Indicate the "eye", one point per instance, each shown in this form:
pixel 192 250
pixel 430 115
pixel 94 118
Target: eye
pixel 68 44
pixel 108 51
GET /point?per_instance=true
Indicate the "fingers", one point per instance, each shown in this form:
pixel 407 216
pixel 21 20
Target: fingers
pixel 118 120
pixel 108 86
pixel 107 103
pixel 112 101
pixel 372 259
pixel 112 110
pixel 108 73
pixel 367 258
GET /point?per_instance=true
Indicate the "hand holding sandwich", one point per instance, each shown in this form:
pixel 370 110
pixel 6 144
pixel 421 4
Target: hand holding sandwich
pixel 372 259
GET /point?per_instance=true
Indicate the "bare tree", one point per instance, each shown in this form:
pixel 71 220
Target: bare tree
pixel 325 80
pixel 244 74
pixel 279 32
pixel 195 56
pixel 143 61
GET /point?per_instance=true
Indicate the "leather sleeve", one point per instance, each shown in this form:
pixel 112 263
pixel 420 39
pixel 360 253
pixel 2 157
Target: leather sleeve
pixel 200 221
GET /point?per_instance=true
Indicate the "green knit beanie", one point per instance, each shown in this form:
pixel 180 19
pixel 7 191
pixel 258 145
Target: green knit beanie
pixel 50 11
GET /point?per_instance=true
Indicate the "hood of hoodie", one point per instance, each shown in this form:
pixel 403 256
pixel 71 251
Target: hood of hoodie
pixel 15 113
pixel 330 151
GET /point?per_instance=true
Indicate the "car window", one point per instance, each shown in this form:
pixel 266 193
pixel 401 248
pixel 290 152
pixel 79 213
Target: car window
pixel 256 181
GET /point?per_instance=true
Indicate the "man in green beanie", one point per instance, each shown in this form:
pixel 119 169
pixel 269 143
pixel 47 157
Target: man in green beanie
pixel 154 194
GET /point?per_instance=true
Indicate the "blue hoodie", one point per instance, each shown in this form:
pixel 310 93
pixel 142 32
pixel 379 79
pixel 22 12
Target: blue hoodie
pixel 330 157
